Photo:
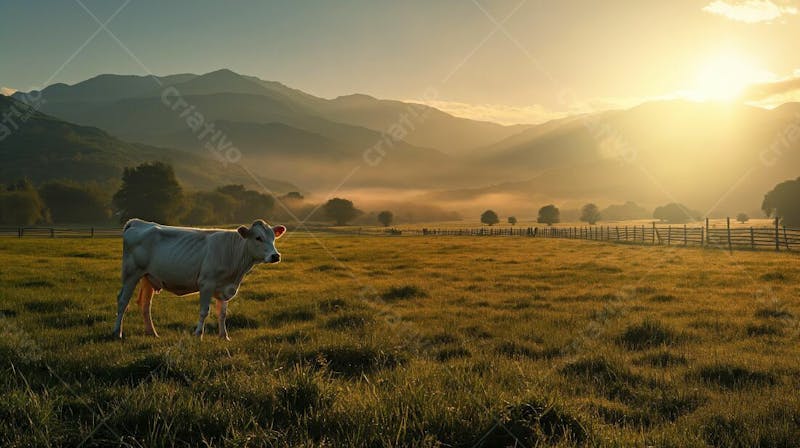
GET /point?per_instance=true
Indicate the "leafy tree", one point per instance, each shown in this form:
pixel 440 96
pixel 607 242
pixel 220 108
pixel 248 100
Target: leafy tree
pixel 199 213
pixel 385 218
pixel 675 213
pixel 220 205
pixel 150 191
pixel 292 196
pixel 341 211
pixel 742 217
pixel 549 214
pixel 73 203
pixel 21 205
pixel 622 212
pixel 590 213
pixel 784 201
pixel 249 205
pixel 512 220
pixel 489 217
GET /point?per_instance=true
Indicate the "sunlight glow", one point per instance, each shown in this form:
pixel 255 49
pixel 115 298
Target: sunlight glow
pixel 724 77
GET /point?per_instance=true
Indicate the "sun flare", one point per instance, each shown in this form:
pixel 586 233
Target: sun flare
pixel 725 76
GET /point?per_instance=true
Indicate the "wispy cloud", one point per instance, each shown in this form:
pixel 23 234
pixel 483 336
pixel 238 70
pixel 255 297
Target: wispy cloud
pixel 497 113
pixel 771 94
pixel 536 114
pixel 6 91
pixel 750 11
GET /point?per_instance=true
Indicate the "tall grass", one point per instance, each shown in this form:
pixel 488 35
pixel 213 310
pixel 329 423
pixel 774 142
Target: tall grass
pixel 503 342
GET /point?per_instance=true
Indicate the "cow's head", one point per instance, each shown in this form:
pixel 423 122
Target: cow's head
pixel 261 240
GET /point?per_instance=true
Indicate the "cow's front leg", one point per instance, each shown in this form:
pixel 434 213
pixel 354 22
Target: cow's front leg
pixel 205 302
pixel 222 311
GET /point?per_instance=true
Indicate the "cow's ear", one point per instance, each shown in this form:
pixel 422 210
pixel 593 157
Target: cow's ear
pixel 279 230
pixel 243 231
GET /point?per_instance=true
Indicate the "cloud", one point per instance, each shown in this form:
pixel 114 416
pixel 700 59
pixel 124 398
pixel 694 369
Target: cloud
pixel 6 91
pixel 776 92
pixel 497 113
pixel 750 11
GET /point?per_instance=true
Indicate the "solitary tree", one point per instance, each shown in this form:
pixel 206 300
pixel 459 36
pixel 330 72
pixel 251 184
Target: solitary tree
pixel 512 220
pixel 385 218
pixel 742 217
pixel 340 211
pixel 549 214
pixel 21 205
pixel 784 201
pixel 590 213
pixel 250 205
pixel 489 217
pixel 72 203
pixel 674 213
pixel 150 191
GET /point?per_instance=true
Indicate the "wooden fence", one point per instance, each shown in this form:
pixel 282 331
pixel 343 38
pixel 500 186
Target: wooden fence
pixel 729 237
pixel 776 238
pixel 61 232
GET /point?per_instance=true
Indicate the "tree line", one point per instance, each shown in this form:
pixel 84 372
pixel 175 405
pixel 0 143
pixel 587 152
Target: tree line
pixel 151 191
pixel 782 201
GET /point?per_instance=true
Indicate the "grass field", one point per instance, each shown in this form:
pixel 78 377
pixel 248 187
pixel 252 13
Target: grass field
pixel 450 341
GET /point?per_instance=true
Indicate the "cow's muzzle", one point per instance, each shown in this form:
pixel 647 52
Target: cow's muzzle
pixel 274 258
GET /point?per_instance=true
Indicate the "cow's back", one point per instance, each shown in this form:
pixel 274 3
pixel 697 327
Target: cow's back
pixel 170 256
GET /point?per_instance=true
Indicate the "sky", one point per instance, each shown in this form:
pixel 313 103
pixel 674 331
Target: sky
pixel 509 61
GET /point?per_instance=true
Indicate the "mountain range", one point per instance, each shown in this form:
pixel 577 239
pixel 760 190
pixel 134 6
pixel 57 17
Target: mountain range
pixel 41 148
pixel 714 157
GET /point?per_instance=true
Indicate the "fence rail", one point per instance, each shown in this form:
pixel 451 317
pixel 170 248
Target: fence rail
pixel 61 232
pixel 775 238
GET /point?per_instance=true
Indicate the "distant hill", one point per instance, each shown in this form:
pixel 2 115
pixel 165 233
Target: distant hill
pixel 44 148
pixel 93 101
pixel 706 155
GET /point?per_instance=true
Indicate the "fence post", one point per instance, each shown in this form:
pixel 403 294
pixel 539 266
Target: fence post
pixel 752 238
pixel 777 236
pixel 730 245
pixel 685 236
pixel 786 239
pixel 654 234
pixel 669 235
pixel 708 235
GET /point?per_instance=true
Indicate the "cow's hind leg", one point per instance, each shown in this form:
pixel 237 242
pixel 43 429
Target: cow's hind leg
pixel 205 303
pixel 128 285
pixel 145 300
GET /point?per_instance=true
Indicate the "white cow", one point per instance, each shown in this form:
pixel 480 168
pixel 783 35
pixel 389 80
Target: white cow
pixel 184 260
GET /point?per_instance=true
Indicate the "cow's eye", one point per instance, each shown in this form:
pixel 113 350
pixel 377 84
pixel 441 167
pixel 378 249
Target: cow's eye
pixel 258 238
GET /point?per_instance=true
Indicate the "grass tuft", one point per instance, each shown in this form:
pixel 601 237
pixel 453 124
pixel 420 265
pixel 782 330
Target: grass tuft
pixel 731 377
pixel 295 314
pixel 48 306
pixel 348 321
pixel 764 329
pixel 663 359
pixel 774 276
pixel 773 313
pixel 647 334
pixel 403 293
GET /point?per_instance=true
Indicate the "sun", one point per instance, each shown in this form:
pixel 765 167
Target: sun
pixel 724 77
